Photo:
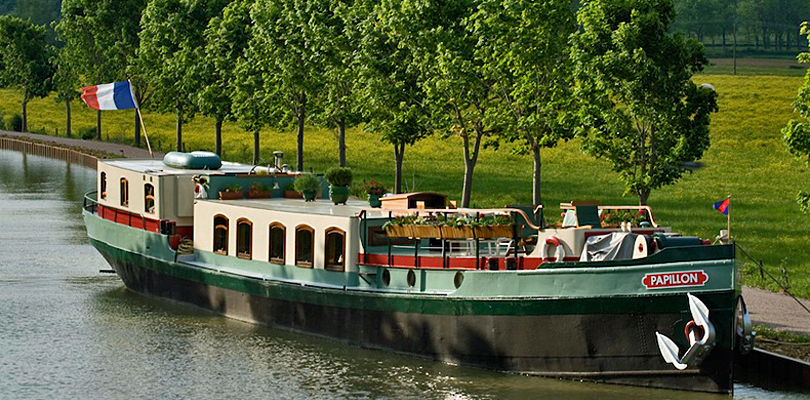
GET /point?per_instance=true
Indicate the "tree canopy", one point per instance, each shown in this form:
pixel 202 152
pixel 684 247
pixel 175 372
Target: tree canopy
pixel 639 107
pixel 25 60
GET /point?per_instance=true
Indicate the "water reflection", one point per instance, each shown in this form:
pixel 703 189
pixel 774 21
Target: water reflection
pixel 69 332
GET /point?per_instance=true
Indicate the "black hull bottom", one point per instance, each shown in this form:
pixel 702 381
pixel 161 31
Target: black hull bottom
pixel 600 347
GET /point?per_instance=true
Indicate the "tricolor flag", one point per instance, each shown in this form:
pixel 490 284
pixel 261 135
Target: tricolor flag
pixel 109 96
pixel 722 206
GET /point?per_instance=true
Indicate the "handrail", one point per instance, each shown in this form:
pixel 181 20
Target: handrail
pixel 763 272
pixel 569 206
pixel 416 211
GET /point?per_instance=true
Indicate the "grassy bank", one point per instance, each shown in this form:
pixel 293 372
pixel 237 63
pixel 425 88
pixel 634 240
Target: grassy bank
pixel 747 159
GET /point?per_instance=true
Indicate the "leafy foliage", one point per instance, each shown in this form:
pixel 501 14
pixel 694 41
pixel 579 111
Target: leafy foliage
pixel 796 133
pixel 306 182
pixel 339 176
pixel 640 110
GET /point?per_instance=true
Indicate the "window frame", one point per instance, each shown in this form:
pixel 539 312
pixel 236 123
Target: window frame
pixel 239 253
pixel 103 185
pixel 304 264
pixel 124 191
pixel 270 258
pixel 225 226
pixel 326 265
pixel 147 198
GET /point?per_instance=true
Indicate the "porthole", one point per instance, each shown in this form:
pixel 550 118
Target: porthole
pixel 386 277
pixel 458 279
pixel 411 278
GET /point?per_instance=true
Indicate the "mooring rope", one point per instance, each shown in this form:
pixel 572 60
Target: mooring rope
pixel 763 273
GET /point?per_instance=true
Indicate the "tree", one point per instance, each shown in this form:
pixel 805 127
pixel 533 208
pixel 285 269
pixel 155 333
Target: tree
pixel 640 109
pixel 25 58
pixel 796 133
pixel 525 52
pixel 226 39
pixel 171 52
pixel 391 99
pixel 100 39
pixel 65 82
pixel 337 34
pixel 281 55
pixel 459 94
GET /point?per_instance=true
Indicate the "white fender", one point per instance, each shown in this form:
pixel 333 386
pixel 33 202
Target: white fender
pixel 559 252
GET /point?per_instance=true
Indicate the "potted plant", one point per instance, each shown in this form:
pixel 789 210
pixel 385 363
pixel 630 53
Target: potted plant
pixel 374 190
pixel 259 191
pixel 339 178
pixel 457 226
pixel 494 226
pixel 399 226
pixel 289 191
pixel 308 184
pixel 231 192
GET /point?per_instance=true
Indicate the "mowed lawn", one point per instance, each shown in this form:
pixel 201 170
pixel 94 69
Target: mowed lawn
pixel 747 160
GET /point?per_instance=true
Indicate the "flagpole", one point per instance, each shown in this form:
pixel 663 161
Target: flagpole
pixel 729 218
pixel 140 118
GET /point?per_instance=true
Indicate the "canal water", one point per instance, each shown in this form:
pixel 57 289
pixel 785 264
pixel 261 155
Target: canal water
pixel 68 331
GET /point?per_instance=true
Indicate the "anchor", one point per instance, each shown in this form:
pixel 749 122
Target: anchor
pixel 700 333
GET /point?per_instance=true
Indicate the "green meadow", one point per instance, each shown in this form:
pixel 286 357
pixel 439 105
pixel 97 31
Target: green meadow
pixel 746 160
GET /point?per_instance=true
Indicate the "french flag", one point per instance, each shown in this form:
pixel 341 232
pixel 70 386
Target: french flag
pixel 109 96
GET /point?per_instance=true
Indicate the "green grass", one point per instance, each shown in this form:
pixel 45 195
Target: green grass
pixel 787 66
pixel 747 159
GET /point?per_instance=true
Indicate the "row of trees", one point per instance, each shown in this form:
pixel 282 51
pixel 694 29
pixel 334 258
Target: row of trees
pixel 487 71
pixel 761 24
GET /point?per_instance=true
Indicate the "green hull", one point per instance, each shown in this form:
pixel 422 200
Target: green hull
pixel 585 323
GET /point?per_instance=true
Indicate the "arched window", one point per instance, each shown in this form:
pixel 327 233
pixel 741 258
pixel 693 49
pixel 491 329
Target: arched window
pixel 244 238
pixel 335 259
pixel 124 192
pixel 277 233
pixel 304 246
pixel 220 234
pixel 103 179
pixel 149 198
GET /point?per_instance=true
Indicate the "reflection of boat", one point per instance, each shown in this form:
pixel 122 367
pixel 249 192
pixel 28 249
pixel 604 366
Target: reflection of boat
pixel 589 302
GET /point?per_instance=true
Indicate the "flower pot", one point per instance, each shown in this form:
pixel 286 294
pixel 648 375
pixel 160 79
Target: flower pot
pixel 259 194
pixel 399 231
pixel 374 200
pixel 493 231
pixel 338 194
pixel 230 195
pixel 309 195
pixel 292 194
pixel 464 231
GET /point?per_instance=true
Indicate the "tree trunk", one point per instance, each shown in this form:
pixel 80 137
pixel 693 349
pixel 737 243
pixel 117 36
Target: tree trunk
pixel 470 159
pixel 643 195
pixel 536 176
pixel 67 122
pixel 24 115
pixel 137 130
pixel 179 127
pixel 342 142
pixel 300 151
pixel 218 131
pixel 98 124
pixel 256 147
pixel 399 153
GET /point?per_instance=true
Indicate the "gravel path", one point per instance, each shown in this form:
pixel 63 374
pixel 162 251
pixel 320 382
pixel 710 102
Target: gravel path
pixel 777 310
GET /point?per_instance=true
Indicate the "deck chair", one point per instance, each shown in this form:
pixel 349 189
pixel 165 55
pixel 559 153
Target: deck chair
pixel 587 213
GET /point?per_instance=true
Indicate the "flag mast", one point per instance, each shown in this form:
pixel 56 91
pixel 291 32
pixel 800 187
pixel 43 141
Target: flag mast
pixel 140 117
pixel 728 215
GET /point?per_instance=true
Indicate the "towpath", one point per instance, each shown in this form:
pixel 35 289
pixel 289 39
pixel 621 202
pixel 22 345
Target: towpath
pixel 776 310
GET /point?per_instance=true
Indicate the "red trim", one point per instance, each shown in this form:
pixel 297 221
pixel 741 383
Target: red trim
pixel 134 220
pixel 432 262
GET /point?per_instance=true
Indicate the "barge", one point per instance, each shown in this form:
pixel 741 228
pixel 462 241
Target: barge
pixel 608 295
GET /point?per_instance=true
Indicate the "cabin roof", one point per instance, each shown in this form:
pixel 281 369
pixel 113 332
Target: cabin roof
pixel 299 206
pixel 156 167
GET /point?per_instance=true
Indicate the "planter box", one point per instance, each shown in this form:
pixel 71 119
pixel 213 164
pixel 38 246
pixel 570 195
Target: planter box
pixel 401 231
pixel 259 194
pixel 230 195
pixel 426 231
pixel 493 231
pixel 457 232
pixel 291 194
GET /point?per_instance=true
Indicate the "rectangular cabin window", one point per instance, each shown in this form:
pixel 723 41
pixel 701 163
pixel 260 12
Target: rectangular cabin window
pixel 335 248
pixel 103 182
pixel 124 192
pixel 220 235
pixel 244 238
pixel 149 198
pixel 304 246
